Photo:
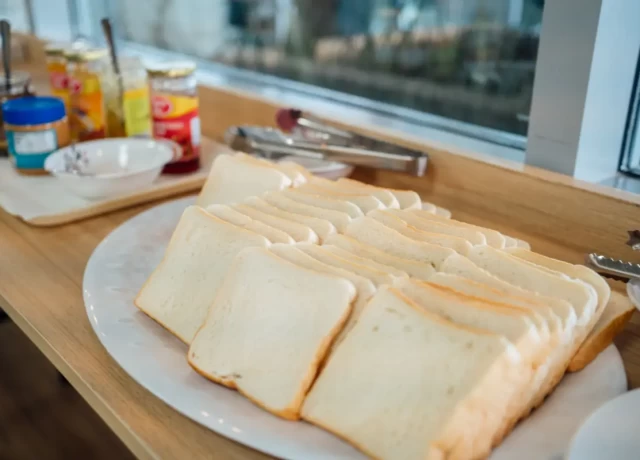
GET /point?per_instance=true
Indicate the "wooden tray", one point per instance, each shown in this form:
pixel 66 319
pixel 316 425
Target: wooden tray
pixel 41 201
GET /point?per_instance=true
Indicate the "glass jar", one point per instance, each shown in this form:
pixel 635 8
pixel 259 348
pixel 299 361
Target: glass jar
pixel 57 70
pixel 35 128
pixel 129 113
pixel 19 86
pixel 174 110
pixel 85 67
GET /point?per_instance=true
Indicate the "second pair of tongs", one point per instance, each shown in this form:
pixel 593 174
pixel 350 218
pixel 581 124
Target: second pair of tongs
pixel 617 269
pixel 273 143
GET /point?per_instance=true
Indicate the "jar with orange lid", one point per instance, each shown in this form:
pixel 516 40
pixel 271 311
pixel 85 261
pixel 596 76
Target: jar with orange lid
pixel 174 110
pixel 87 116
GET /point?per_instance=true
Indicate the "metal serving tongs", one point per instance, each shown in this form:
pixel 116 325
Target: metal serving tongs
pixel 617 269
pixel 273 143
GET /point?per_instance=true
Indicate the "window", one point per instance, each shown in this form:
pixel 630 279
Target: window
pixel 471 61
pixel 15 11
pixel 545 83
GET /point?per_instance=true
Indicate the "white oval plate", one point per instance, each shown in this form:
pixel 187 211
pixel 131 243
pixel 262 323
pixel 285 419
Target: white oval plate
pixel 612 431
pixel 154 358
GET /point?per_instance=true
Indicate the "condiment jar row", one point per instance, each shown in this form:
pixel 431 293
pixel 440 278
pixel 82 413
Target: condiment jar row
pixel 159 101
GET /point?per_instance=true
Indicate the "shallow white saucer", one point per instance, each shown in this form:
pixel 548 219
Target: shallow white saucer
pixel 633 291
pixel 611 432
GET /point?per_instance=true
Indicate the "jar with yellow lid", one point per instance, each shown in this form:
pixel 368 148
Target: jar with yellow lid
pixel 129 113
pixel 174 109
pixel 87 117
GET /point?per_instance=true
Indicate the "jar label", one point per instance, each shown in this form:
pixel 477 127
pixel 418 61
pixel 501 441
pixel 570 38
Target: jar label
pixel 176 118
pixel 136 108
pixel 29 149
pixel 59 81
pixel 87 116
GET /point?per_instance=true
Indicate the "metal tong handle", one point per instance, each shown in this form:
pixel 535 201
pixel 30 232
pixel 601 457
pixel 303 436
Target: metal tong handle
pixel 239 138
pixel 617 269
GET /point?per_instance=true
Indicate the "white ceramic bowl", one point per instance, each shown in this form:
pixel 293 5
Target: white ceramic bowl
pixel 111 167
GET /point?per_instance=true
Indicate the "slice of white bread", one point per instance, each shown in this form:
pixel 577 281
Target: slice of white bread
pixel 365 270
pixel 549 324
pixel 456 243
pixel 442 212
pixel 412 267
pixel 510 242
pixel 179 292
pixel 574 271
pixel 385 196
pixel 297 166
pixel 322 227
pixel 369 231
pixel 294 173
pixel 366 203
pixel 462 266
pixel 515 323
pixel 325 202
pixel 299 232
pixel 338 219
pixel 228 214
pixel 232 179
pixel 616 315
pixel 351 257
pixel 407 199
pixel 560 357
pixel 364 287
pixel 579 294
pixel 408 384
pixel 270 328
pixel 472 236
pixel 494 238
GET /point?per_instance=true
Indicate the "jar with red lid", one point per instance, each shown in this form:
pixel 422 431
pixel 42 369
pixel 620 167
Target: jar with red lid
pixel 174 109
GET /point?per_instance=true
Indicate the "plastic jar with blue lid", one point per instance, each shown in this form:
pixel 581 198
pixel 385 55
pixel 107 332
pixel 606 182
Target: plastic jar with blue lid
pixel 35 127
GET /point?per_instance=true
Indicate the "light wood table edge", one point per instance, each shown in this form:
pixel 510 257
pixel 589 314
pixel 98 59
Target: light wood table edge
pixel 115 423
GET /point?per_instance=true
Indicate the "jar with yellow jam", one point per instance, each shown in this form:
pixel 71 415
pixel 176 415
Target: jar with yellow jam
pixel 129 113
pixel 87 117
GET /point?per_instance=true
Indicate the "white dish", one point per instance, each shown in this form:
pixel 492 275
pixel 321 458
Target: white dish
pixel 111 167
pixel 633 291
pixel 156 359
pixel 610 432
pixel 327 169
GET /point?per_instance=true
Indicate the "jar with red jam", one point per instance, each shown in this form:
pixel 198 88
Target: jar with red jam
pixel 174 110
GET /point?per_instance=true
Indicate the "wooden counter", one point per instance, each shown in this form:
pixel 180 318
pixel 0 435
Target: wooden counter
pixel 41 271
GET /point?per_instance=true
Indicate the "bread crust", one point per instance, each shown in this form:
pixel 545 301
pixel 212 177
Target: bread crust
pixel 594 345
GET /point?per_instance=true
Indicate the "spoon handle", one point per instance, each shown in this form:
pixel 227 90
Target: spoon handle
pixel 5 32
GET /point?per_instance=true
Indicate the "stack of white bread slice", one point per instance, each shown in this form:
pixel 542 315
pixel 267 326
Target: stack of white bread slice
pixel 372 314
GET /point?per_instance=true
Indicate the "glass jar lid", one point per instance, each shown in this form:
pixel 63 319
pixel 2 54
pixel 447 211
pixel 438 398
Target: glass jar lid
pixel 172 69
pixel 85 54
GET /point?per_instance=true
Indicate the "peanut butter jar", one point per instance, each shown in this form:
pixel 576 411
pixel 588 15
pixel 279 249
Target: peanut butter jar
pixel 35 128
